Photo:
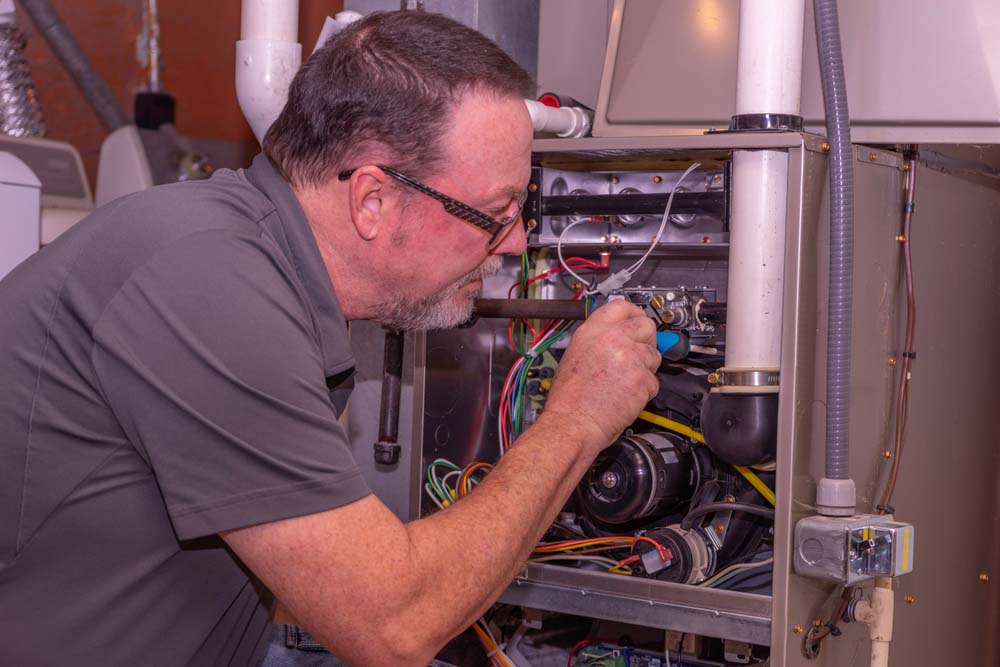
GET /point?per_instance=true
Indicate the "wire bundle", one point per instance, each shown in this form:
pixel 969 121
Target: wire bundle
pixel 440 489
pixel 512 396
pixel 738 573
pixel 494 651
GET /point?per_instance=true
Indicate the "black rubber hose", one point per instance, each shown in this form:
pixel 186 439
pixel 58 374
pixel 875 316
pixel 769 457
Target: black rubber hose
pixel 838 129
pixel 699 512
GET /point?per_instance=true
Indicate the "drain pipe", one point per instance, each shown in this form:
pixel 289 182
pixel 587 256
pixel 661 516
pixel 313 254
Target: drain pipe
pixel 61 42
pixel 740 415
pixel 267 57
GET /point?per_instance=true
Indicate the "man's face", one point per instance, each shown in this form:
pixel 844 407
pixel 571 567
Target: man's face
pixel 441 261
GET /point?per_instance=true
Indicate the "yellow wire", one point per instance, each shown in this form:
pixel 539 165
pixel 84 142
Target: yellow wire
pixel 756 483
pixel 671 425
pixel 680 428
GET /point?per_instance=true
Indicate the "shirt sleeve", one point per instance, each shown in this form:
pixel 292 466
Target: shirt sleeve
pixel 209 357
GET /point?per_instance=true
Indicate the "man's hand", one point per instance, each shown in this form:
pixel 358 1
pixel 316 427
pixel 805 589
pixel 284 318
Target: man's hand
pixel 607 374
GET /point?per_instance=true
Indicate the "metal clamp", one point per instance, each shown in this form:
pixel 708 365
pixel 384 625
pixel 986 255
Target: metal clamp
pixel 744 378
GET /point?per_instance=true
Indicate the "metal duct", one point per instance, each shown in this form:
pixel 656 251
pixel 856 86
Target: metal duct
pixel 61 42
pixel 20 113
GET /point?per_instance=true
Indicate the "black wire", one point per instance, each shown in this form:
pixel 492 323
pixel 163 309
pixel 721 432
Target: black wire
pixel 699 512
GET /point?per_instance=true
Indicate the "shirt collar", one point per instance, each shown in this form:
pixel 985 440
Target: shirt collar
pixel 308 262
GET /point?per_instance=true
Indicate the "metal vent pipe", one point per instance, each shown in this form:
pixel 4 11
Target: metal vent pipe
pixel 20 113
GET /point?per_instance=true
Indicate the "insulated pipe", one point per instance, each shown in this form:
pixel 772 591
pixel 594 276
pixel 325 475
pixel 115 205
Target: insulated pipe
pixel 561 121
pixel 835 494
pixel 267 57
pixel 61 42
pixel 739 418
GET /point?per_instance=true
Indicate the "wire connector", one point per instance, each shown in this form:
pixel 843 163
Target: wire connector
pixel 613 282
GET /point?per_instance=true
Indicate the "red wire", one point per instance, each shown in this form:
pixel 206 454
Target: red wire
pixel 576 647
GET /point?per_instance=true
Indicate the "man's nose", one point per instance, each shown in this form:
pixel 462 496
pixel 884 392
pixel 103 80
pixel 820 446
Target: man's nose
pixel 515 243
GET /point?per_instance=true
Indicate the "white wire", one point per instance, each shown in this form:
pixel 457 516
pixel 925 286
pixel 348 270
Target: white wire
pixel 444 480
pixel 597 559
pixel 430 494
pixel 734 568
pixel 663 222
pixel 562 262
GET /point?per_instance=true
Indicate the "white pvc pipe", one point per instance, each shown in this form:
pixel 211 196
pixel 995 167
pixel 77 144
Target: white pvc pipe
pixel 769 74
pixel 267 57
pixel 769 65
pixel 756 260
pixel 561 121
pixel 276 20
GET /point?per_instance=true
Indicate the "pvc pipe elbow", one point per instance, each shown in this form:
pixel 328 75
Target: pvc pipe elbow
pixel 562 121
pixel 264 71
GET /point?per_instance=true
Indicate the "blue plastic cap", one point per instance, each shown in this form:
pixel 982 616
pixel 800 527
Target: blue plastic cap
pixel 666 340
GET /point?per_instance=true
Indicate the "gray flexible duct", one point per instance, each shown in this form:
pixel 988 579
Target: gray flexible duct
pixel 838 128
pixel 20 113
pixel 61 42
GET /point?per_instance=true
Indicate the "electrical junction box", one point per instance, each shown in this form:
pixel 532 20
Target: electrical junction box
pixel 850 550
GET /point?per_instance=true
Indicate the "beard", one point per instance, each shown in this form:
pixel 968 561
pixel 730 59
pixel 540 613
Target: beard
pixel 443 310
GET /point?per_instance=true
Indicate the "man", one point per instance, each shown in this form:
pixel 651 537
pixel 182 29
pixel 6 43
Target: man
pixel 171 460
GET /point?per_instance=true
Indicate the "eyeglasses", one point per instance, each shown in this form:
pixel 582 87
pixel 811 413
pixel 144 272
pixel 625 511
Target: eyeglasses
pixel 497 229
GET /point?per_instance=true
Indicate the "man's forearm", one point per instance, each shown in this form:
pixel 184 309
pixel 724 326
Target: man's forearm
pixel 482 541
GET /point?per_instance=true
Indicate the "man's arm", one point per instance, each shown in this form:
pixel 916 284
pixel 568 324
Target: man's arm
pixel 380 592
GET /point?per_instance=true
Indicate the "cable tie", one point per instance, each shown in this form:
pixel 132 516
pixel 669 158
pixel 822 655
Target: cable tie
pixel 910 355
pixel 909 207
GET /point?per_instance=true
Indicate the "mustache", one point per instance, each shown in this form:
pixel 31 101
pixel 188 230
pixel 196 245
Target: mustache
pixel 487 269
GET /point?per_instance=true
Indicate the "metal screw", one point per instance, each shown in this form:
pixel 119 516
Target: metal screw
pixel 905 167
pixel 873 156
pixel 576 287
pixel 901 238
pixel 657 179
pixel 531 224
pixel 798 629
pixel 532 187
pixel 609 480
pixel 984 577
pixel 887 454
pixel 825 147
pixel 720 529
pixel 615 239
pixel 713 378
pixel 706 239
pixel 671 296
pixel 892 361
pixel 909 599
pixel 604 239
pixel 615 180
pixel 657 302
pixel 717 179
pixel 818 623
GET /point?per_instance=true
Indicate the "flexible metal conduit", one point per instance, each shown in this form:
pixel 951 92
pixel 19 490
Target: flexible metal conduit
pixel 838 360
pixel 61 42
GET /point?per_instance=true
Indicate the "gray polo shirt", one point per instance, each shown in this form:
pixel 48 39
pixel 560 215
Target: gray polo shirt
pixel 166 370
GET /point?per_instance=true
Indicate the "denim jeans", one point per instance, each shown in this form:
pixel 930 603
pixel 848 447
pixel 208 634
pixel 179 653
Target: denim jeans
pixel 292 646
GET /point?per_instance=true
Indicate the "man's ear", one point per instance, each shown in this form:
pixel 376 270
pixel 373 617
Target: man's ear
pixel 368 193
